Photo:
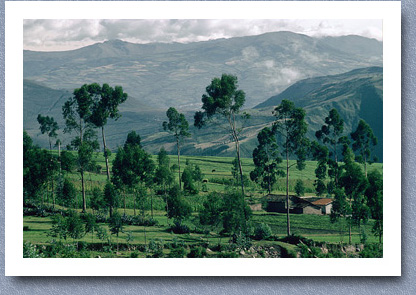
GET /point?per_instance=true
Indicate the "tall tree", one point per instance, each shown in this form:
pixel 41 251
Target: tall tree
pixel 178 126
pixel 49 126
pixel 320 154
pixel 331 135
pixel 291 128
pixel 364 141
pixel 77 111
pixel 354 184
pixel 106 102
pixel 266 159
pixel 132 166
pixel 374 194
pixel 223 99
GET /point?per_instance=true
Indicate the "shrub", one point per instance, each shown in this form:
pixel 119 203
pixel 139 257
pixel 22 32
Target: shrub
pixel 31 251
pixel 197 252
pixel 134 255
pixel 179 228
pixel 262 231
pixel 177 253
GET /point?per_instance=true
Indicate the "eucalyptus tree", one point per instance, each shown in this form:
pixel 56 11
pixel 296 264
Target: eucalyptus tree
pixel 49 126
pixel 178 126
pixel 364 141
pixel 290 127
pixel 223 99
pixel 77 111
pixel 105 105
pixel 266 159
pixel 331 135
pixel 132 166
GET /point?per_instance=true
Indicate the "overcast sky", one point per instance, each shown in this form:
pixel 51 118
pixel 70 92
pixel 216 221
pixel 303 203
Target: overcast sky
pixel 52 35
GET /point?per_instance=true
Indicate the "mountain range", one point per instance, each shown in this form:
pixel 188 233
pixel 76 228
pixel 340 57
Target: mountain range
pixel 316 73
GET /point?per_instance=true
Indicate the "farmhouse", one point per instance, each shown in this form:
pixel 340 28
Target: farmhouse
pixel 297 205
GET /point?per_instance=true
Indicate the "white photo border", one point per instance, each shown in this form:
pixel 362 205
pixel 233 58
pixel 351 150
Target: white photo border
pixel 388 11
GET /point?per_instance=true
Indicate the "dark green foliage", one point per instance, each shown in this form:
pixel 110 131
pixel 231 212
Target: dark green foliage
pixel 197 252
pixel 291 127
pixel 66 193
pixel 38 166
pixel 224 100
pixel 178 208
pixel 31 251
pixel 188 181
pixel 90 222
pixel 97 199
pixel 374 194
pixel 372 251
pixel 155 247
pixel 266 159
pixel 68 161
pixel 111 198
pixel 299 188
pixel 178 126
pixel 211 212
pixel 49 126
pixel 364 141
pixel 262 231
pixel 235 214
pixel 131 166
pixel 115 224
pixel 177 253
pixel 75 226
pixel 132 139
pixel 227 255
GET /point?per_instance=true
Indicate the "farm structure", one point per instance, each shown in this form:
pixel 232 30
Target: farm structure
pixel 297 205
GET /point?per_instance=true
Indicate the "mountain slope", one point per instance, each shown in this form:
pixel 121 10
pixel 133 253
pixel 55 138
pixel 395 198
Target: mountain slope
pixel 356 95
pixel 176 74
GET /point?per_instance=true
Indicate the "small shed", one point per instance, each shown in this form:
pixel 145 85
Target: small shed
pixel 325 204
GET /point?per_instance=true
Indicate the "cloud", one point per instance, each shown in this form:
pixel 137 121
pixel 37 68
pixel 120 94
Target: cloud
pixel 71 34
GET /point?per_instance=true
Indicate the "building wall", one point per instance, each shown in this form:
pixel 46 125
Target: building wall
pixel 312 210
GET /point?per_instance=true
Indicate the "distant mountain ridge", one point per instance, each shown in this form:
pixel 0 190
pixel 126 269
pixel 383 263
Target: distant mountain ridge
pixel 176 74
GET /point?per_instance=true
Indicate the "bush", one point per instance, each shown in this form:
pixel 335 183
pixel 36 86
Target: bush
pixel 134 255
pixel 177 253
pixel 31 251
pixel 372 251
pixel 179 228
pixel 197 252
pixel 262 231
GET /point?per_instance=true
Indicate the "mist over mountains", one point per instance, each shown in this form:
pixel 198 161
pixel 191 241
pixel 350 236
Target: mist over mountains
pixel 316 73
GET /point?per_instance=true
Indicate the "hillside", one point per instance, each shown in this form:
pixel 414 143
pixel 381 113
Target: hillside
pixel 356 94
pixel 175 74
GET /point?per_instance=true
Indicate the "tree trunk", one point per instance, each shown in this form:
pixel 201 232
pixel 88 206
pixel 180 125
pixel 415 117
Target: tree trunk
pixel 179 163
pixel 84 202
pixel 151 204
pixel 287 192
pixel 105 154
pixel 237 148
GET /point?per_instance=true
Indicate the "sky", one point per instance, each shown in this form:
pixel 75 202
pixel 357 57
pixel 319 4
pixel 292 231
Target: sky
pixel 68 34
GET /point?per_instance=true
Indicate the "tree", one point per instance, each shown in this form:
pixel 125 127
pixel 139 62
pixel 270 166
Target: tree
pixel 291 127
pixel 105 105
pixel 163 174
pixel 116 225
pixel 132 166
pixel 97 199
pixel 210 214
pixel 224 100
pixel 111 198
pixel 188 181
pixel 353 184
pixel 178 126
pixel 364 141
pixel 235 214
pixel 299 188
pixel 178 208
pixel 374 194
pixel 320 154
pixel 331 136
pixel 67 193
pixel 38 166
pixel 49 126
pixel 266 159
pixel 77 111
